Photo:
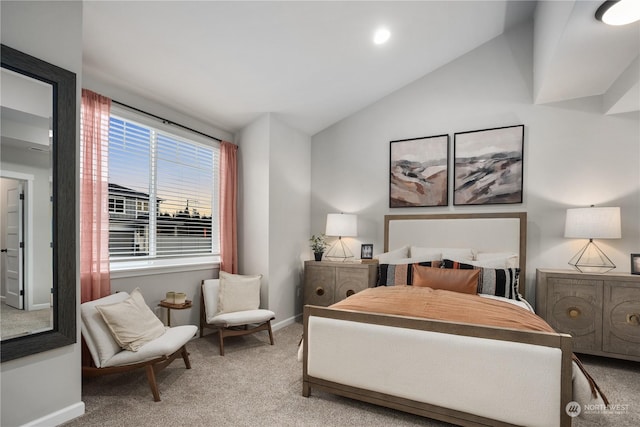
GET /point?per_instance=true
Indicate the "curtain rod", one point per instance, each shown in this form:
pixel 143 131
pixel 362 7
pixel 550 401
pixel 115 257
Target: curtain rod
pixel 165 121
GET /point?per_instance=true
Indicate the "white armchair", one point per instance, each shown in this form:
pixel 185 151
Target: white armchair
pixel 230 304
pixel 115 322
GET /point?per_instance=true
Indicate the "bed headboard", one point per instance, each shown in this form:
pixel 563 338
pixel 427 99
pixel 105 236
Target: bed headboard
pixel 486 232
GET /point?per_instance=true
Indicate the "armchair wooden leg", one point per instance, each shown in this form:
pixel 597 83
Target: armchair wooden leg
pixel 221 340
pixel 151 377
pixel 270 332
pixel 185 357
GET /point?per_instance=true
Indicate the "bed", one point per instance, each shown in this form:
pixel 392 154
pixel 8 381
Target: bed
pixel 458 372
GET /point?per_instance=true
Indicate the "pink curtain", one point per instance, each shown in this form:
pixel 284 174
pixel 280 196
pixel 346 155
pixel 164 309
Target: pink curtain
pixel 94 195
pixel 228 207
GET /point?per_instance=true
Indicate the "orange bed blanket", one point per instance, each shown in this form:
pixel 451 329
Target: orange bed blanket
pixel 438 304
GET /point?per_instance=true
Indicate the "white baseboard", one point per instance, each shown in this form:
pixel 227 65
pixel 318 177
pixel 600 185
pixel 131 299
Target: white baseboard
pixel 58 417
pixel 286 322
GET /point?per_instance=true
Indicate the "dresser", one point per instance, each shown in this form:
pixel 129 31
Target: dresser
pixel 327 282
pixel 600 311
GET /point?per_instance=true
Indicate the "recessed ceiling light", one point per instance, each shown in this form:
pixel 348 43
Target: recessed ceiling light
pixel 619 12
pixel 381 36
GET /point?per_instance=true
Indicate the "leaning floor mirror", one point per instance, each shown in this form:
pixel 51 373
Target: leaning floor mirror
pixel 37 206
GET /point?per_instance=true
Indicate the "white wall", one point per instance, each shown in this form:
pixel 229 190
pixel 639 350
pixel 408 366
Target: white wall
pixel 274 163
pixel 253 202
pixel 574 155
pixel 44 386
pixel 289 211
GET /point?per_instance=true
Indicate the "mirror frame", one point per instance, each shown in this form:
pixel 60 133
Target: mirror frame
pixel 63 153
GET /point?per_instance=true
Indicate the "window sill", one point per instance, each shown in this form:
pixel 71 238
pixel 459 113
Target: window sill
pixel 122 269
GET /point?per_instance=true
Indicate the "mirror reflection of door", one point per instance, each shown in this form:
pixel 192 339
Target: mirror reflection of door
pixel 13 242
pixel 25 205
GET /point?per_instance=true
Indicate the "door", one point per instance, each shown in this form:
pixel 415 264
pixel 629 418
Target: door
pixel 14 272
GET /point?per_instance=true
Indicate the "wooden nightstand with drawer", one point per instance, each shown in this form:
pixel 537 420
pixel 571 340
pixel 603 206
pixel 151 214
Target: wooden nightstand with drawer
pixel 600 311
pixel 327 282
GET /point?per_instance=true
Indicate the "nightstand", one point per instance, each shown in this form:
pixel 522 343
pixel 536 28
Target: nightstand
pixel 327 282
pixel 600 311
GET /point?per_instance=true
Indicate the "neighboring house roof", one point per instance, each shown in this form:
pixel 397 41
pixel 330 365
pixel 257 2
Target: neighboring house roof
pixel 115 189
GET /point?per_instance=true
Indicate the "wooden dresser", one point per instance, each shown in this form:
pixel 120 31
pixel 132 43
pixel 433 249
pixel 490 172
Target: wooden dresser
pixel 600 311
pixel 327 282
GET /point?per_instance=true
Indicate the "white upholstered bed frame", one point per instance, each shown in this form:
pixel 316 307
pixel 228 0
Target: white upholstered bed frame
pixel 459 373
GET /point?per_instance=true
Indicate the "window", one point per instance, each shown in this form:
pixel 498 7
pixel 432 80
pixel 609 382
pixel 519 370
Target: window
pixel 162 191
pixel 116 205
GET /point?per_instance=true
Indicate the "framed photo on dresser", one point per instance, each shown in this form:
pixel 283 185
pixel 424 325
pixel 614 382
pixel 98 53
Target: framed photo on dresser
pixel 635 263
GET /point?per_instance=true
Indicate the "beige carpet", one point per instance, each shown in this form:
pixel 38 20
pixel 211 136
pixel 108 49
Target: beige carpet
pixel 256 384
pixel 15 323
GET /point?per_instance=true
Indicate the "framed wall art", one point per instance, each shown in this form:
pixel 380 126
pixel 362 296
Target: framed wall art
pixel 419 172
pixel 488 166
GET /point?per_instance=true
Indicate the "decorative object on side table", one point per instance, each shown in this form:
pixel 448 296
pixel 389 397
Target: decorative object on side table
pixel 341 225
pixel 419 172
pixel 592 223
pixel 487 167
pixel 318 245
pixel 366 251
pixel 635 263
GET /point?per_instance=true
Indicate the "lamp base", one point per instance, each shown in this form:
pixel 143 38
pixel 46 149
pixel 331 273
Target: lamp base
pixel 339 251
pixel 591 259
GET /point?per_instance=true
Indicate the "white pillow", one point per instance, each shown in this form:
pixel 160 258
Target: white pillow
pixel 497 259
pixel 430 254
pixel 458 254
pixel 131 322
pixel 412 260
pixel 396 254
pixel 238 292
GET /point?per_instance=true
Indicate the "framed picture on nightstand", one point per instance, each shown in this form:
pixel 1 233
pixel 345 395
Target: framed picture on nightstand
pixel 366 251
pixel 635 263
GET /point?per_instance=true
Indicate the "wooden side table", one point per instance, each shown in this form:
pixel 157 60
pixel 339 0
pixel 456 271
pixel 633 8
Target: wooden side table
pixel 169 306
pixel 600 311
pixel 327 282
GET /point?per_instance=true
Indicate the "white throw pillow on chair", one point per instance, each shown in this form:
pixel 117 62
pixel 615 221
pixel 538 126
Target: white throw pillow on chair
pixel 131 322
pixel 238 292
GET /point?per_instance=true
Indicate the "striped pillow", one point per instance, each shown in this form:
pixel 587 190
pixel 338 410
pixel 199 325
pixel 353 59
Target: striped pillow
pixel 501 282
pixel 400 274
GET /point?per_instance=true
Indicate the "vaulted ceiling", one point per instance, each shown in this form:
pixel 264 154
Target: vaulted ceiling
pixel 313 63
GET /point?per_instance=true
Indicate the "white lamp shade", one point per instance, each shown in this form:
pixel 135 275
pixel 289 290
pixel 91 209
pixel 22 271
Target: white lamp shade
pixel 342 225
pixel 593 223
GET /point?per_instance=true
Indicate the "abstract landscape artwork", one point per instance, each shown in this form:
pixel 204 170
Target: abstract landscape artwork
pixel 488 166
pixel 419 172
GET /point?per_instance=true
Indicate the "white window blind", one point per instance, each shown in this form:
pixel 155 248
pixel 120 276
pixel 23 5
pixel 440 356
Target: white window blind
pixel 162 193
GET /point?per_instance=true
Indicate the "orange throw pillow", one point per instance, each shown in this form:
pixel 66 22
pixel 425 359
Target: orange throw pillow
pixel 463 281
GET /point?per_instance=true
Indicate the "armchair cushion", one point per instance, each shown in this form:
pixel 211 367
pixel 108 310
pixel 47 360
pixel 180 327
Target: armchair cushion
pixel 238 292
pixel 241 318
pixel 174 338
pixel 95 331
pixel 131 322
pixel 210 293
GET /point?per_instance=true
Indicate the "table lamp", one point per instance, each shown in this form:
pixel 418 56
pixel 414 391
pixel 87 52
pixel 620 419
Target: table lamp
pixel 592 223
pixel 341 225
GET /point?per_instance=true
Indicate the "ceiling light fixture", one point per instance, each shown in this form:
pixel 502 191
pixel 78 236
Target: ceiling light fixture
pixel 619 12
pixel 381 36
